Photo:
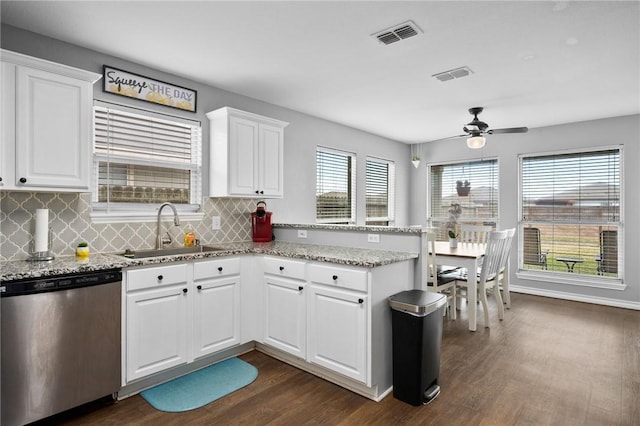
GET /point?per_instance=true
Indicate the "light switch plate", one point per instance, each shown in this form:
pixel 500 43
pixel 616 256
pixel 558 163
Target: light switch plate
pixel 302 233
pixel 373 238
pixel 215 223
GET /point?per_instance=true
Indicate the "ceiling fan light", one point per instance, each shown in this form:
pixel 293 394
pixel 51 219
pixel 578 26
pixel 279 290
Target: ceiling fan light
pixel 476 142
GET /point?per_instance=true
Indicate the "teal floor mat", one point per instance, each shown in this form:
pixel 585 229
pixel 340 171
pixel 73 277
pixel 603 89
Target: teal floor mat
pixel 201 387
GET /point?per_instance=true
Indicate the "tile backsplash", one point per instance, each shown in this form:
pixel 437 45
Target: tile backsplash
pixel 70 222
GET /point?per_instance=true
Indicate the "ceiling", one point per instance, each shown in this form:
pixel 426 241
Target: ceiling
pixel 534 63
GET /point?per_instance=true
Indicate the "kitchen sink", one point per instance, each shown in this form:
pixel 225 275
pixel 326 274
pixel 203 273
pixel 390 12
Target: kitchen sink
pixel 140 254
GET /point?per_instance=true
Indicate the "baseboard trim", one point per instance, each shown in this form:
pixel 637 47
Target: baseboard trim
pixel 576 297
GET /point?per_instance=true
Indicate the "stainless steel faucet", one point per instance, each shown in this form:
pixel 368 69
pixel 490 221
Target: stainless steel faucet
pixel 161 240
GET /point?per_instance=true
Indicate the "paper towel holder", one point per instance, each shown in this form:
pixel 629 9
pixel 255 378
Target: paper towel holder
pixel 41 256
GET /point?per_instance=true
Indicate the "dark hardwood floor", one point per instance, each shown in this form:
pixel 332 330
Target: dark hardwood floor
pixel 550 362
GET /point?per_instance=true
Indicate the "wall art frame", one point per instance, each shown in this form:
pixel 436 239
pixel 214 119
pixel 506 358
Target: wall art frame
pixel 136 86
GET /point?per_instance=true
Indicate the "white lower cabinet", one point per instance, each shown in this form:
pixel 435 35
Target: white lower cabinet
pixel 178 313
pixel 285 305
pixel 319 313
pixel 338 325
pixel 337 331
pixel 157 325
pixel 331 320
pixel 216 310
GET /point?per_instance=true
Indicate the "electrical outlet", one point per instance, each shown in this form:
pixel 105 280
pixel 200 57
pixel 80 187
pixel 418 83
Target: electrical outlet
pixel 373 238
pixel 302 233
pixel 215 223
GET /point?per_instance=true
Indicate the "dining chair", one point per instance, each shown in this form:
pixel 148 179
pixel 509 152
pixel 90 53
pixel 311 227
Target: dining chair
pixel 503 278
pixel 437 281
pixel 531 248
pixel 607 259
pixel 474 233
pixel 489 276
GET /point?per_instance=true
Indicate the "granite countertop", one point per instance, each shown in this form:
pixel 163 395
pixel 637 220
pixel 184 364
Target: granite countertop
pixel 62 265
pixel 366 228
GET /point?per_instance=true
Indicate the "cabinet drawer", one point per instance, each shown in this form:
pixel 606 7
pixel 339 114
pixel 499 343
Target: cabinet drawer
pixel 156 277
pixel 216 268
pixel 284 267
pixel 350 278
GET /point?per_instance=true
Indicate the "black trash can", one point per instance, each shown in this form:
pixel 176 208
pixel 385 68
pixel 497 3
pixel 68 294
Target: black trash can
pixel 416 317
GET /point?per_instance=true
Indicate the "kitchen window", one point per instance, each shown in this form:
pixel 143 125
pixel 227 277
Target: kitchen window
pixel 144 159
pixel 571 216
pixel 335 186
pixel 472 184
pixel 380 192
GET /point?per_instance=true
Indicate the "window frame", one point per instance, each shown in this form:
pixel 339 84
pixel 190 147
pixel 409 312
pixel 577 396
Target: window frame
pixel 440 221
pixel 122 212
pixel 584 280
pixel 391 191
pixel 352 187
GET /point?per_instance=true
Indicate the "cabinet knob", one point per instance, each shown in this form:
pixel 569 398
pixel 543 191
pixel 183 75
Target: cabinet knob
pixel 335 277
pixel 282 268
pixel 257 192
pixel 220 268
pixel 160 277
pixel 23 180
pixel 199 287
pixel 0 179
pixel 300 288
pixel 185 290
pixel 361 301
pixel 261 192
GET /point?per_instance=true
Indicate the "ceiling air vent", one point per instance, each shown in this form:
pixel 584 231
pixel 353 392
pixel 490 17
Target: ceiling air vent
pixel 397 33
pixel 451 74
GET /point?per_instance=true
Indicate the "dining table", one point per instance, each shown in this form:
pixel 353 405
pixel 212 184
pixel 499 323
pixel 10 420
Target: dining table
pixel 465 255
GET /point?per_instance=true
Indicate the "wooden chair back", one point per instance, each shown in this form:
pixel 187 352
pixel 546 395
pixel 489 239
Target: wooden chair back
pixel 608 258
pixel 474 233
pixel 532 252
pixel 495 255
pixel 432 264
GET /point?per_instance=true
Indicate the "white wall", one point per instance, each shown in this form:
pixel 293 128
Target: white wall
pixel 608 132
pixel 301 137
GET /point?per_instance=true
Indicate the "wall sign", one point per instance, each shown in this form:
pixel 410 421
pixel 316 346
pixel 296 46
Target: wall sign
pixel 146 89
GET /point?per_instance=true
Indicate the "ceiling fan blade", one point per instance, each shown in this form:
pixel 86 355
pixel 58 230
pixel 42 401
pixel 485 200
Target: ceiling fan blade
pixel 450 137
pixel 508 130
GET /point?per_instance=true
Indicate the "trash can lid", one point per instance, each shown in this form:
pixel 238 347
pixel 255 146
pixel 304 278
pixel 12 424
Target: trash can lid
pixel 417 302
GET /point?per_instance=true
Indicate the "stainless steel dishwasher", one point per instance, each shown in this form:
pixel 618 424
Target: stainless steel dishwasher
pixel 60 343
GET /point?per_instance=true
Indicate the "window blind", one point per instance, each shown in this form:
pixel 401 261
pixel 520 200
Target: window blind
pixel 573 202
pixel 574 188
pixel 380 191
pixel 145 159
pixel 335 186
pixel 473 185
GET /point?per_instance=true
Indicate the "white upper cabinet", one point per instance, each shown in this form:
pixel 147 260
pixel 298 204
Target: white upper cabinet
pixel 46 121
pixel 247 152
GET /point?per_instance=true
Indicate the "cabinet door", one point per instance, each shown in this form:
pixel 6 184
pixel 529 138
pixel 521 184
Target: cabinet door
pixel 216 315
pixel 243 149
pixel 285 321
pixel 337 331
pixel 52 122
pixel 8 117
pixel 270 161
pixel 157 330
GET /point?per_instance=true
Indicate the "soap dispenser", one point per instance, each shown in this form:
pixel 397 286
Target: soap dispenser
pixel 189 236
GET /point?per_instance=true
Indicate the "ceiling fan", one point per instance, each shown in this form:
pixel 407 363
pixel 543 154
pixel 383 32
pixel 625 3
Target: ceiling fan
pixel 476 130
